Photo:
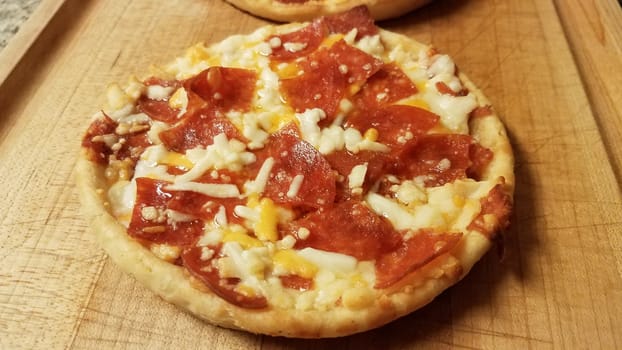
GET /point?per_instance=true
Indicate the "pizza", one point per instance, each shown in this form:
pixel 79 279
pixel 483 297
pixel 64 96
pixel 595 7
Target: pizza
pixel 303 10
pixel 313 179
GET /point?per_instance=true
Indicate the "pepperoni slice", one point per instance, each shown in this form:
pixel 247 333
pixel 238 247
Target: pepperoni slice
pixel 388 85
pixel 480 158
pixel 320 86
pixel 356 65
pixel 224 89
pixel 496 203
pixel 202 206
pixel 411 255
pixel 480 112
pixel 444 89
pixel 206 272
pixel 343 161
pixel 396 124
pixel 292 157
pixel 357 17
pixel 93 140
pixel 296 282
pixel 299 43
pixel 133 146
pixel 442 158
pixel 327 74
pixel 156 109
pixel 205 207
pixel 349 228
pixel 149 222
pixel 198 129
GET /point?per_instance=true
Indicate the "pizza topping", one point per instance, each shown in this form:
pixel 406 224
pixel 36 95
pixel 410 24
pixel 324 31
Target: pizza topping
pixel 335 138
pixel 152 224
pixel 495 213
pixel 296 282
pixel 208 273
pixel 480 158
pixel 224 89
pixel 386 86
pixel 299 43
pixel 395 124
pixel 157 109
pixel 204 206
pixel 258 185
pixel 99 139
pixel 224 153
pixel 133 145
pixel 198 130
pixel 401 217
pixel 480 112
pixel 357 18
pixel 441 158
pixel 212 190
pixel 344 162
pixel 166 252
pixel 323 84
pixel 288 262
pixel 109 142
pixel 354 64
pixel 349 228
pixel 443 88
pixel 412 254
pixel 293 157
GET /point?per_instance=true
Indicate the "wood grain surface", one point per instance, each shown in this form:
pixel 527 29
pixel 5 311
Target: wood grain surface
pixel 552 68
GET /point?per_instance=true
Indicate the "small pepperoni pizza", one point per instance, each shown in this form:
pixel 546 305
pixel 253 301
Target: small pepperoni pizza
pixel 307 180
pixel 303 10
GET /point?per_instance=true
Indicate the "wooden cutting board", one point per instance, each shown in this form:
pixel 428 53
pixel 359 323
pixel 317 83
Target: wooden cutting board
pixel 552 69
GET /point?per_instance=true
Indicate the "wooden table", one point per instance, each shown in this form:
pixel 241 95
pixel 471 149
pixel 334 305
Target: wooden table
pixel 553 69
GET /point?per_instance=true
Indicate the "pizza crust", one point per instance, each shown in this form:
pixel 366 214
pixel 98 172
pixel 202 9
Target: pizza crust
pixel 278 11
pixel 365 311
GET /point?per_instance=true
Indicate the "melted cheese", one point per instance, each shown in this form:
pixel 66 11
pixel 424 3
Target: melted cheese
pixel 259 184
pixel 449 207
pixel 291 262
pixel 371 44
pixel 222 154
pixel 122 196
pixel 334 137
pixel 357 176
pixel 295 185
pixel 159 93
pixel 266 225
pixel 208 189
pixel 242 238
pixel 329 261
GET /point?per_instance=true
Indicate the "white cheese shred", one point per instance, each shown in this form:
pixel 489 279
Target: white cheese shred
pixel 294 187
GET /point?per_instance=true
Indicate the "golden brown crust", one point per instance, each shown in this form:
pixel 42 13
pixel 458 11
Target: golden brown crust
pixel 357 312
pixel 291 12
